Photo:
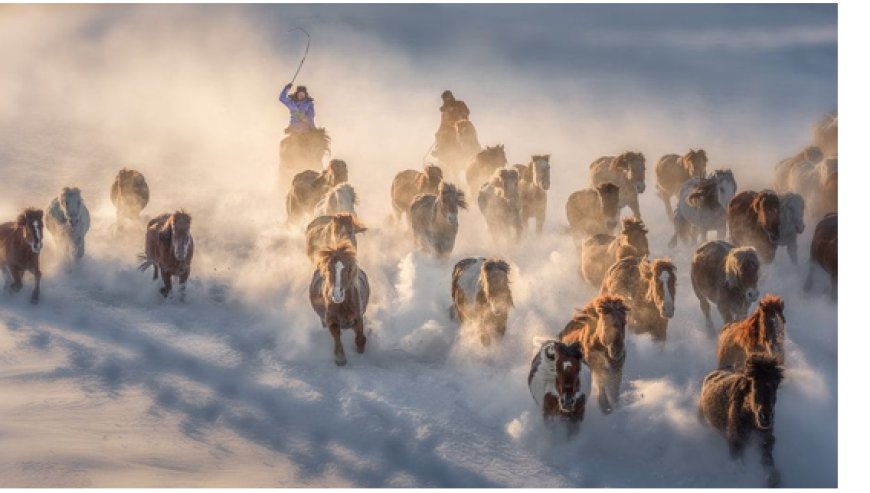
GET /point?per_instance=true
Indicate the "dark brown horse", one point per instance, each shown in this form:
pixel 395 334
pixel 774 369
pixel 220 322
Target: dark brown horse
pixel 534 184
pixel 129 194
pixel 823 252
pixel 753 220
pixel 483 166
pixel 435 219
pixel 741 404
pixel 599 328
pixel 330 231
pixel 339 294
pixel 593 211
pixel 20 244
pixel 409 183
pixel 300 151
pixel 599 252
pixel 482 295
pixel 673 170
pixel 169 250
pixel 649 289
pixel 310 186
pixel 727 276
pixel 554 381
pixel 762 332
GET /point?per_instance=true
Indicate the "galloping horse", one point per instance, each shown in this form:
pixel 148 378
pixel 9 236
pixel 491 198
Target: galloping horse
pixel 68 219
pixel 554 381
pixel 727 276
pixel 499 202
pixel 534 183
pixel 129 194
pixel 409 183
pixel 753 219
pixel 169 250
pixel 673 170
pixel 435 219
pixel 761 332
pixel 627 171
pixel 309 187
pixel 20 244
pixel 482 295
pixel 483 166
pixel 649 288
pixel 593 211
pixel 701 207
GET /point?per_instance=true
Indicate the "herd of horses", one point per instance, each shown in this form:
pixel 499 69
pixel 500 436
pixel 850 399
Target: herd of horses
pixel 635 291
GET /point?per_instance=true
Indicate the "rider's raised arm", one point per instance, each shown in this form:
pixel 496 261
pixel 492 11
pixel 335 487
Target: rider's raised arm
pixel 284 96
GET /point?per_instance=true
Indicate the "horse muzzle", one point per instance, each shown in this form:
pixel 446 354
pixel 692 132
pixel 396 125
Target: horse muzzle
pixel 453 218
pixel 36 247
pixel 668 310
pixel 570 403
pixel 751 295
pixel 640 187
pixel 337 296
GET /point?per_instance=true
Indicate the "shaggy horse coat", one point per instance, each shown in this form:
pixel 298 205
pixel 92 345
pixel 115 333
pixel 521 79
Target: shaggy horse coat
pixel 673 170
pixel 483 166
pixel 762 332
pixel 499 202
pixel 823 252
pixel 129 194
pixel 600 329
pixel 339 294
pixel 727 276
pixel 409 183
pixel 791 222
pixel 481 294
pixel 68 219
pixel 330 231
pixel 435 219
pixel 169 250
pixel 627 171
pixel 593 211
pixel 701 207
pixel 788 173
pixel 20 244
pixel 554 381
pixel 599 252
pixel 340 198
pixel 309 187
pixel 754 219
pixel 534 183
pixel 300 151
pixel 741 404
pixel 649 290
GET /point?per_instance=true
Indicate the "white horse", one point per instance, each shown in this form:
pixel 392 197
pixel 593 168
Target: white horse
pixel 68 220
pixel 701 206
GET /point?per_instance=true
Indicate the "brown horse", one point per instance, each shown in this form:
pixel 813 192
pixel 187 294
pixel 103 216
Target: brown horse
pixel 534 183
pixel 554 381
pixel 129 194
pixel 825 134
pixel 600 329
pixel 20 244
pixel 649 289
pixel 673 170
pixel 483 166
pixel 435 219
pixel 627 171
pixel 727 276
pixel 300 151
pixel 409 183
pixel 753 220
pixel 499 202
pixel 740 404
pixel 482 295
pixel 599 252
pixel 823 252
pixel 169 250
pixel 339 294
pixel 762 332
pixel 593 211
pixel 331 231
pixel 310 186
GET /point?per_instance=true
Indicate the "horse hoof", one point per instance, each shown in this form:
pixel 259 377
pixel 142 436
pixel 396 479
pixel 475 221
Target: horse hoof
pixel 34 300
pixel 773 479
pixel 164 292
pixel 340 361
pixel 361 348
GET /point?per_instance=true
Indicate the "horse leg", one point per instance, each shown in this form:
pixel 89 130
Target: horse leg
pixel 808 284
pixel 167 283
pixel 767 441
pixel 666 198
pixel 705 306
pixel 37 276
pixel 337 350
pixel 17 275
pixel 360 339
pixel 182 284
pixel 792 251
pixel 634 205
pixel 601 384
pixel 726 312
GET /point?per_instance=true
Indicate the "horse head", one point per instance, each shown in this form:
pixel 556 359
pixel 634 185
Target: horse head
pixel 608 195
pixel 540 168
pixel 611 313
pixel 633 165
pixel 338 269
pixel 741 272
pixel 70 200
pixel 766 207
pixel 32 222
pixel 663 286
pixel 762 376
pixel 568 359
pixel 451 199
pixel 696 162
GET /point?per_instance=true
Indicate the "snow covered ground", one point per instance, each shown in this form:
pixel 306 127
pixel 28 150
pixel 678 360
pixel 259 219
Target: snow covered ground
pixel 106 384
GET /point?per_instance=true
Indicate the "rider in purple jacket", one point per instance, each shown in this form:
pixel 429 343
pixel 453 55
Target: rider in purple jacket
pixel 301 108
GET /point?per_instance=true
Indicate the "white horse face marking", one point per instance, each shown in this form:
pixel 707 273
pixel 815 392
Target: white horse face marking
pixel 668 305
pixel 338 289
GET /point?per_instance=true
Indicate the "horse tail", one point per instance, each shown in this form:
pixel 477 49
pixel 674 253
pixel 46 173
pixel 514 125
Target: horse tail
pixel 146 262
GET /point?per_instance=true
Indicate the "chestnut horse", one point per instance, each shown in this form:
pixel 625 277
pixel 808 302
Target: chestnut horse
pixel 169 250
pixel 330 231
pixel 599 252
pixel 482 295
pixel 823 252
pixel 762 332
pixel 310 186
pixel 339 294
pixel 129 194
pixel 673 170
pixel 627 171
pixel 534 184
pixel 483 166
pixel 727 276
pixel 554 381
pixel 600 329
pixel 593 211
pixel 753 219
pixel 20 244
pixel 649 289
pixel 409 183
pixel 740 404
pixel 435 219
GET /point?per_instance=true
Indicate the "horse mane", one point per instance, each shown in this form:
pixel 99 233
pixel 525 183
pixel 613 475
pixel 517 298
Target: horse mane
pixel 651 270
pixel 499 265
pixel 749 333
pixel 763 368
pixel 166 230
pixel 346 186
pixel 633 223
pixel 611 305
pixel 608 189
pixel 737 256
pixel 344 251
pixel 357 224
pixel 703 191
pixel 621 161
pixel 29 212
pixel 449 188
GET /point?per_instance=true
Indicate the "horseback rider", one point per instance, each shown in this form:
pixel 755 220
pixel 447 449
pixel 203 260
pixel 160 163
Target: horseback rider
pixel 452 111
pixel 301 107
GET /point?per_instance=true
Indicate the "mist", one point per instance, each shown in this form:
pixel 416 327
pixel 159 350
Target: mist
pixel 238 382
